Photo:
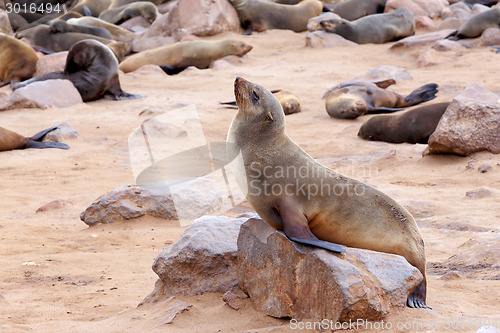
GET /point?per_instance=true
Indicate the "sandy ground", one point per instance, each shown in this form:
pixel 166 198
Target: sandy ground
pixel 57 274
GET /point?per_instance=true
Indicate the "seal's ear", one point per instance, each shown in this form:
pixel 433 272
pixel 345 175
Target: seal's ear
pixel 269 116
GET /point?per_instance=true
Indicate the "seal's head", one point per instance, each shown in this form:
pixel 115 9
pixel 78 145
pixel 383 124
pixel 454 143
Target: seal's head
pixel 236 47
pixel 371 129
pixel 345 106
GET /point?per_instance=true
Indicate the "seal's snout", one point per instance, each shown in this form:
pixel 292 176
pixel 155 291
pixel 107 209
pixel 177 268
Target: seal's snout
pixel 239 90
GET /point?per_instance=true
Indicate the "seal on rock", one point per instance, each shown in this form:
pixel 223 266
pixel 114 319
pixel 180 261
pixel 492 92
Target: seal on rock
pixel 412 126
pixel 93 69
pixel 475 26
pixel 260 15
pixel 17 60
pixel 120 14
pixel 351 100
pixel 11 140
pixel 376 28
pixel 311 203
pixel 178 56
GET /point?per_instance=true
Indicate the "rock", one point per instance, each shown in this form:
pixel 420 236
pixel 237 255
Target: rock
pixel 5 26
pixel 425 22
pixel 431 57
pixel 484 168
pixel 471 123
pixel 490 37
pixel 286 279
pixel 44 94
pixel 51 63
pixel 447 45
pixel 170 308
pixel 478 9
pixel 203 259
pixel 320 39
pixel 488 329
pixel 458 10
pixel 385 72
pixel 53 205
pixel 199 197
pixel 430 8
pixel 232 300
pixel 65 131
pixel 314 23
pixel 136 24
pixel 451 23
pixel 423 39
pixel 144 44
pixel 197 17
pixel 478 193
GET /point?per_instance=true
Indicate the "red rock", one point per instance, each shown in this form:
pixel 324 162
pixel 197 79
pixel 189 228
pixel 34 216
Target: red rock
pixel 51 63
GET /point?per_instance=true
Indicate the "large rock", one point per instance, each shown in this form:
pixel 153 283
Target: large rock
pixel 196 17
pixel 423 39
pixel 5 26
pixel 197 198
pixel 430 8
pixel 44 94
pixel 471 123
pixel 285 279
pixel 202 260
pixel 320 39
pixel 51 63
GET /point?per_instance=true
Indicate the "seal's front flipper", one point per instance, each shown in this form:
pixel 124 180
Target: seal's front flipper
pixel 172 70
pixel 416 299
pixel 122 96
pixel 319 243
pixel 423 94
pixel 296 226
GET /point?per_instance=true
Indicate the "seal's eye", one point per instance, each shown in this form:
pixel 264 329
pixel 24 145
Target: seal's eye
pixel 255 97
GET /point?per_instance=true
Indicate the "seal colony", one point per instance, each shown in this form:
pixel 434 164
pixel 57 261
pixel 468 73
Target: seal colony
pixel 346 211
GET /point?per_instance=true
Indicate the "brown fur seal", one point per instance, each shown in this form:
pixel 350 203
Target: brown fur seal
pixel 376 28
pixel 354 9
pixel 260 15
pixel 351 100
pixel 119 34
pixel 17 60
pixel 475 26
pixel 309 202
pixel 199 53
pixel 119 15
pixel 41 36
pixel 93 69
pixel 61 26
pixel 413 126
pixel 10 140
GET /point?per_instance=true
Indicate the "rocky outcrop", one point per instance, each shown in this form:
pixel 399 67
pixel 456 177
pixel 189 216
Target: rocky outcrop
pixel 196 199
pixel 471 123
pixel 285 279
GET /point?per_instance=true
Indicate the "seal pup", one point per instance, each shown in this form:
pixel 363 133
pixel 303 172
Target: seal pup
pixel 412 126
pixel 11 140
pixel 376 28
pixel 311 203
pixel 288 100
pixel 120 14
pixel 261 15
pixel 475 26
pixel 17 60
pixel 178 56
pixel 93 69
pixel 351 100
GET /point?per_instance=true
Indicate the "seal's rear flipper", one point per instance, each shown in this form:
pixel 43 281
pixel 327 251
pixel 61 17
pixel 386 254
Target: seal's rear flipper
pixel 381 109
pixel 125 95
pixel 319 243
pixel 40 135
pixel 423 94
pixel 40 145
pixel 416 299
pixel 452 36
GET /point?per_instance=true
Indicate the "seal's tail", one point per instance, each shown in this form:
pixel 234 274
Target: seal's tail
pixel 423 94
pixel 35 140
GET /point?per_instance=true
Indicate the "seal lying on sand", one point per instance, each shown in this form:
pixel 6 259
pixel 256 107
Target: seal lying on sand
pixel 376 28
pixel 178 56
pixel 93 69
pixel 309 202
pixel 413 126
pixel 10 140
pixel 351 100
pixel 17 60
